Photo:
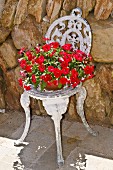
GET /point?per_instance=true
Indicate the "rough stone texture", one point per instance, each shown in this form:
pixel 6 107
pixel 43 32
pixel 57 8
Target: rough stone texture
pixel 56 10
pixel 44 26
pixel 72 107
pixel 103 9
pixel 12 96
pixel 4 32
pixel 37 8
pixel 111 119
pixel 68 5
pixel 3 64
pixel 2 89
pixel 8 13
pixel 102 40
pixel 95 105
pixel 24 37
pixel 2 3
pixel 9 52
pixel 86 6
pixel 49 7
pixel 104 76
pixel 16 77
pixel 21 11
pixel 41 108
pixel 24 23
pixel 99 89
pixel 63 13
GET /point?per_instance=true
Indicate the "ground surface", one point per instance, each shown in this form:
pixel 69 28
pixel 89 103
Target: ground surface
pixel 39 153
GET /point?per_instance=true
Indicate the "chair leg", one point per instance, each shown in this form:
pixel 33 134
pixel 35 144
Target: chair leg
pixel 58 141
pixel 80 102
pixel 25 101
pixel 55 108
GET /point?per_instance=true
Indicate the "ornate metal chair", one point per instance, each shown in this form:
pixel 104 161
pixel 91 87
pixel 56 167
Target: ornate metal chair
pixel 75 30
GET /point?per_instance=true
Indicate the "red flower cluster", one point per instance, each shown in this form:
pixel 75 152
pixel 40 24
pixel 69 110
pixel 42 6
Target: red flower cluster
pixel 54 64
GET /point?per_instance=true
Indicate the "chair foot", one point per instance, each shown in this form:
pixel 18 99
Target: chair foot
pixel 92 132
pixel 60 163
pixel 20 143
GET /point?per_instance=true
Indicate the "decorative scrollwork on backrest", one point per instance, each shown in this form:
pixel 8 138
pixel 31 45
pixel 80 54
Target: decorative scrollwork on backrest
pixel 71 29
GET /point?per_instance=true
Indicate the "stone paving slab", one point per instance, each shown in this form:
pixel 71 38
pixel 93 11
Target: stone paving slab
pixel 87 160
pixel 103 143
pixel 44 125
pixel 76 130
pixel 11 124
pixel 40 153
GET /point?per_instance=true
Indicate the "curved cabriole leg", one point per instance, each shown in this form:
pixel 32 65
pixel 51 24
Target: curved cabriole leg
pixel 55 108
pixel 25 101
pixel 80 102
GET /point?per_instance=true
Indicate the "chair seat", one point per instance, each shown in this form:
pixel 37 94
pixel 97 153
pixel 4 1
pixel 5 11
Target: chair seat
pixel 65 92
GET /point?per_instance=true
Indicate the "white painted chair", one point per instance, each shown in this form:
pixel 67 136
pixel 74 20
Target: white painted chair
pixel 75 30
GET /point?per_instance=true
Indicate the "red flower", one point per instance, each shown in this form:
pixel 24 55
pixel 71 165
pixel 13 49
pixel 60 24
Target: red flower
pixel 46 47
pixel 63 80
pixel 74 73
pixel 65 70
pixel 23 63
pixel 33 78
pixel 55 82
pixel 75 84
pixel 81 53
pixel 41 68
pixel 67 47
pixel 20 82
pixel 26 87
pixel 22 73
pixel 57 72
pixel 42 77
pixel 40 59
pixel 37 49
pixel 54 65
pixel 51 68
pixel 45 39
pixel 89 69
pixel 54 44
pixel 29 55
pixel 46 77
pixel 63 53
pixel 51 55
pixel 78 57
pixel 33 61
pixel 60 59
pixel 64 64
pixel 90 76
pixel 21 50
pixel 28 68
pixel 67 58
pixel 90 57
pixel 73 79
pixel 74 76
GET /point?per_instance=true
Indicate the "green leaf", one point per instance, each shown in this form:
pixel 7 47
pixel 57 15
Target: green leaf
pixel 37 83
pixel 59 85
pixel 81 73
pixel 43 85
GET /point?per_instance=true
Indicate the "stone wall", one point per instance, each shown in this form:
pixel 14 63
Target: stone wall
pixel 24 23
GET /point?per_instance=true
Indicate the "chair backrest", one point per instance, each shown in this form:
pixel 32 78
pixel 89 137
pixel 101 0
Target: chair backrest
pixel 71 29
